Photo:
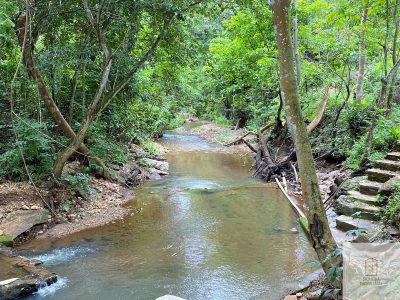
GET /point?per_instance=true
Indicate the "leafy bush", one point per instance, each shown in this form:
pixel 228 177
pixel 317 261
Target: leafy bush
pixel 79 182
pixel 392 210
pixel 386 136
pixel 37 150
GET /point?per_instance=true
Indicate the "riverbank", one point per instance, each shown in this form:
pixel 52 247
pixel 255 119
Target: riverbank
pixel 49 209
pixel 67 211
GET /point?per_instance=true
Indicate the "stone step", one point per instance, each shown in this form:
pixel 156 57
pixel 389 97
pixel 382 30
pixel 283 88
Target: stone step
pixel 370 187
pixel 393 156
pixel 368 199
pixel 386 164
pixel 345 205
pixel 346 223
pixel 380 175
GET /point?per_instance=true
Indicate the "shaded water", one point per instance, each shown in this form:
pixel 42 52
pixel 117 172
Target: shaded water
pixel 207 231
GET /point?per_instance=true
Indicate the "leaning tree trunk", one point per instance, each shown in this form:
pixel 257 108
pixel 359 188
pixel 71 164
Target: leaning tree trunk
pixel 34 73
pixel 296 43
pixel 22 22
pixel 320 233
pixel 361 61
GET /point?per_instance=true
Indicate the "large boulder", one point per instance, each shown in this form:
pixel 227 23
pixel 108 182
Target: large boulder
pixel 18 287
pixel 21 221
pixel 30 278
pixel 156 164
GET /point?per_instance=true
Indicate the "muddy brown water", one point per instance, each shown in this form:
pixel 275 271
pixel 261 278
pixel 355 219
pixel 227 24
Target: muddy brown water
pixel 207 231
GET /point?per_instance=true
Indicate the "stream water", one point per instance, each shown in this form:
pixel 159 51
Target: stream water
pixel 207 231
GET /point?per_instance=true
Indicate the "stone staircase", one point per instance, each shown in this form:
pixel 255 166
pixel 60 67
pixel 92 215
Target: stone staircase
pixel 361 208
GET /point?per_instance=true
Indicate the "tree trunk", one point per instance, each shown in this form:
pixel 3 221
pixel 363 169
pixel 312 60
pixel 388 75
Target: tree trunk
pixel 396 32
pixel 361 62
pixel 322 106
pixel 68 152
pixel 320 233
pixel 35 74
pixel 296 43
pixel 385 45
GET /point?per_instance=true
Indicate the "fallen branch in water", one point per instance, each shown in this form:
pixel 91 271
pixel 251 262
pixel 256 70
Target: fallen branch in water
pixel 241 138
pixel 297 209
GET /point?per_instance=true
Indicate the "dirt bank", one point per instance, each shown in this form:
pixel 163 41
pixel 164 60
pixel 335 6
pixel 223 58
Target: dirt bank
pixel 67 210
pixel 221 135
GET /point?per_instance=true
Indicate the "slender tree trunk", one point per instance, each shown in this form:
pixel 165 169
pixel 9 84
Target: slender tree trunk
pixel 68 152
pixel 296 43
pixel 320 233
pixel 396 31
pixel 74 85
pixel 385 45
pixel 322 106
pixel 361 62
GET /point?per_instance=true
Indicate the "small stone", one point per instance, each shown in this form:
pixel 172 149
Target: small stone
pixel 35 262
pixel 294 230
pixel 71 217
pixel 35 207
pixel 25 207
pixel 299 295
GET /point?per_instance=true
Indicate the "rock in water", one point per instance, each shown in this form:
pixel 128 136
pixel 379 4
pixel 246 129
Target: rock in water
pixel 21 221
pixel 169 297
pixel 156 164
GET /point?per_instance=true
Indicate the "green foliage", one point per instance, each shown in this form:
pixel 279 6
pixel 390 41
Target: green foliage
pixel 243 65
pixel 149 148
pixel 33 146
pixel 220 120
pixel 102 145
pixel 386 136
pixel 391 212
pixel 79 182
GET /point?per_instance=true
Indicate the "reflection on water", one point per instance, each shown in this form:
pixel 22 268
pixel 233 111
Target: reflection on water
pixel 208 231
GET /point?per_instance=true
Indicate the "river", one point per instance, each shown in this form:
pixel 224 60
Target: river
pixel 207 231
